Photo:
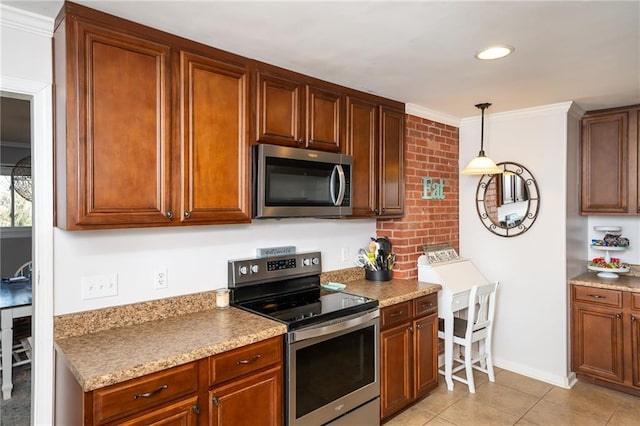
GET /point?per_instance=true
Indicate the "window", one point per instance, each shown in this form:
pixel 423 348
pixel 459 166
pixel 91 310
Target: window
pixel 15 211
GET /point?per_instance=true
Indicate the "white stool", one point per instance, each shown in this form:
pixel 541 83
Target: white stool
pixel 478 327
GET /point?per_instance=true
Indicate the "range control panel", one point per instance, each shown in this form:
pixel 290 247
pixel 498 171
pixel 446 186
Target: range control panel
pixel 267 269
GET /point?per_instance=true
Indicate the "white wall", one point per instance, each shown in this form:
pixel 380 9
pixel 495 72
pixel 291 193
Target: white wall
pixel 25 69
pixel 531 320
pixel 195 256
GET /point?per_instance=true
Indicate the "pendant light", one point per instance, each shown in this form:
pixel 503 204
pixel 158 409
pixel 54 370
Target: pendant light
pixel 481 165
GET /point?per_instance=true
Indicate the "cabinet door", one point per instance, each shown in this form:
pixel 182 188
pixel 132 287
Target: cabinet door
pixel 280 111
pixel 425 354
pixel 182 413
pixel 253 400
pixel 396 365
pixel 391 162
pixel 597 342
pixel 215 151
pixel 605 164
pixel 635 348
pixel 117 157
pixel 362 144
pixel 324 119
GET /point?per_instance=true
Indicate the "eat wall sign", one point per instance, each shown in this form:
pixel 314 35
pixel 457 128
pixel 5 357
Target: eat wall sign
pixel 432 189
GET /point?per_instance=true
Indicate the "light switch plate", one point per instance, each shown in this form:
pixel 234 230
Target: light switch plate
pixel 97 286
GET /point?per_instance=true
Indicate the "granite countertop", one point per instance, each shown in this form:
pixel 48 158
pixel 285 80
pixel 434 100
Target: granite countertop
pixel 623 282
pixel 391 292
pixel 118 354
pixel 111 345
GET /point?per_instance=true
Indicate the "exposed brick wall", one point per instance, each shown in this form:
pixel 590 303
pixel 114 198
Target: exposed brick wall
pixel 431 150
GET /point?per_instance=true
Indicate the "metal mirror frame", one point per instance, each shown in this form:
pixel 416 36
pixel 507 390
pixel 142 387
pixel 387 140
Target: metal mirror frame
pixel 533 205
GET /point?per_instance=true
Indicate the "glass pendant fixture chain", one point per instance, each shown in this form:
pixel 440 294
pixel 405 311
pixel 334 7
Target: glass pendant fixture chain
pixel 481 165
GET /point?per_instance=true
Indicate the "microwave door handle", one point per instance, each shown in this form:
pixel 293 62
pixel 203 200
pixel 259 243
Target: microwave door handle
pixel 337 200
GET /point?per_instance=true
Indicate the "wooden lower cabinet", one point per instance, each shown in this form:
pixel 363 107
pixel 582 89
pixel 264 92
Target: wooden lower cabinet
pixel 408 353
pixel 181 413
pixel 604 337
pixel 252 400
pixel 239 387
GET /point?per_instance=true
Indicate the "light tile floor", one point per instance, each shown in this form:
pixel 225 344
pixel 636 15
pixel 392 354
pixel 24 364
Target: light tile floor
pixel 518 400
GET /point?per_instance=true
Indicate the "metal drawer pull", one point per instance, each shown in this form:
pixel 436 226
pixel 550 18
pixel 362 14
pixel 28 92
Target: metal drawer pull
pixel 248 361
pixel 597 296
pixel 396 314
pixel 618 316
pixel 215 401
pixel 152 393
pixel 633 319
pixel 425 305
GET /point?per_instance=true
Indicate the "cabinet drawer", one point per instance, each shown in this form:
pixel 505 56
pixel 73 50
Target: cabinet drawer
pixel 597 296
pixel 635 301
pixel 425 305
pixel 244 360
pixel 395 314
pixel 145 392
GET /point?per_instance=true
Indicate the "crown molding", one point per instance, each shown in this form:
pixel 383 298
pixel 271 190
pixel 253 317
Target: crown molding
pixel 566 107
pixel 12 17
pixel 430 114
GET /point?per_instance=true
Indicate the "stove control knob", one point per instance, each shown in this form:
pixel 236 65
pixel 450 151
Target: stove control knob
pixel 255 269
pixel 306 262
pixel 315 260
pixel 243 270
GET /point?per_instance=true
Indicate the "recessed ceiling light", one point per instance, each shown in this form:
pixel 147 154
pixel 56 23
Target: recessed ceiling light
pixel 495 52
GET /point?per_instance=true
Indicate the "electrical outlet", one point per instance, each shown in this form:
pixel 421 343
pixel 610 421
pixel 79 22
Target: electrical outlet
pixel 160 279
pixel 345 254
pixel 97 286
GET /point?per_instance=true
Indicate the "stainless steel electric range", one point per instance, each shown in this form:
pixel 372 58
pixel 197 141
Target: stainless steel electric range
pixel 332 343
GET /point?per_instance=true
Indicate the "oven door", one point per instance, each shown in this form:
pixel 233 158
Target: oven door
pixel 333 369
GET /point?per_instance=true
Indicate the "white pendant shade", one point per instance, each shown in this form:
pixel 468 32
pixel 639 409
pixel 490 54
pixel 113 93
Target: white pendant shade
pixel 481 165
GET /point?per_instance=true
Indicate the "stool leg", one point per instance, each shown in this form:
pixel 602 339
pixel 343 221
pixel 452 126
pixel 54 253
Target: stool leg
pixel 468 359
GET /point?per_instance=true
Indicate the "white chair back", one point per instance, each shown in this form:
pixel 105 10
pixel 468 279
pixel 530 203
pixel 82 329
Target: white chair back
pixel 25 270
pixel 482 307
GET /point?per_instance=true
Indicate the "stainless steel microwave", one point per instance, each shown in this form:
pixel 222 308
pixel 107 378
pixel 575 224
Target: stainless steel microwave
pixel 295 182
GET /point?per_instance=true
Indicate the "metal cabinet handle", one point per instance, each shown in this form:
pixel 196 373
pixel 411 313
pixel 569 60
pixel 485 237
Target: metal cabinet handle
pixel 152 393
pixel 618 316
pixel 170 214
pixel 248 361
pixel 427 305
pixel 195 409
pixel 419 326
pixel 300 141
pixel 597 296
pixel 187 215
pixel 396 314
pixel 633 319
pixel 215 401
pixel 411 329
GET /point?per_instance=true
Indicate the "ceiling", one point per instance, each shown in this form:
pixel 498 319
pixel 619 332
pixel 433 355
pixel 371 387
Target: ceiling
pixel 422 52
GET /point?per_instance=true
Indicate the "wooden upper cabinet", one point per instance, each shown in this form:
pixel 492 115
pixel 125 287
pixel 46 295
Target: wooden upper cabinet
pixel 280 111
pixel 362 143
pixel 609 145
pixel 113 127
pixel 292 113
pixel 325 122
pixel 215 149
pixel 605 163
pixel 151 129
pixel 391 161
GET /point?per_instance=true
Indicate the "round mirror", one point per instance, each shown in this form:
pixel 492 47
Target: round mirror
pixel 508 203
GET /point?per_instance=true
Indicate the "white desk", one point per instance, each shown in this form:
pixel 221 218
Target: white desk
pixel 456 278
pixel 15 302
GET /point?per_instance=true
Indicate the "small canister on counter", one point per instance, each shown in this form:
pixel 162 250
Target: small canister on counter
pixel 222 298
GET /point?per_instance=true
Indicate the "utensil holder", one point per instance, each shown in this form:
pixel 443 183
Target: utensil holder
pixel 377 275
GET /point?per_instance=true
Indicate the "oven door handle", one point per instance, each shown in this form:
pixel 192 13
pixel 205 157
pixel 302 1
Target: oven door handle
pixel 310 333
